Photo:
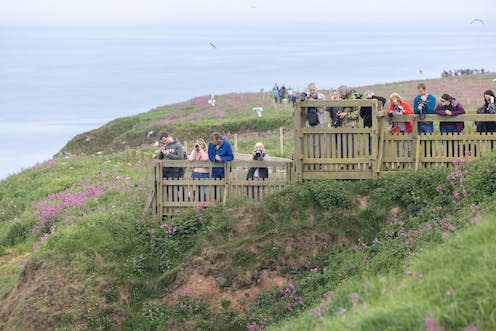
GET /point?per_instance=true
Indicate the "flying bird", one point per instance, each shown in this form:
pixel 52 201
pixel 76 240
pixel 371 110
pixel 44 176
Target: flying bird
pixel 213 46
pixel 477 20
pixel 420 70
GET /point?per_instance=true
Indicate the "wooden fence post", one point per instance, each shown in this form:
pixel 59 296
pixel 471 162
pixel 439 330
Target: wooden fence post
pixel 133 156
pixel 160 193
pixel 281 140
pixel 227 182
pixel 126 154
pixel 298 150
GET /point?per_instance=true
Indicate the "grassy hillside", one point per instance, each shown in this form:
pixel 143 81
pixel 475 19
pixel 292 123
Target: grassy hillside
pixel 78 252
pixel 234 114
pixel 449 287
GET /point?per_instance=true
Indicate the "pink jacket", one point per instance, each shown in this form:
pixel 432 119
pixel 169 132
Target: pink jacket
pixel 199 156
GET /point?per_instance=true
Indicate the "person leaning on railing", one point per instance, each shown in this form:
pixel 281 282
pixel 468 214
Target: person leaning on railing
pixel 366 112
pixel 448 106
pixel 170 150
pixel 259 154
pixel 219 151
pixel 314 115
pixel 488 108
pixel 399 107
pixel 199 153
pixel 424 104
pixel 347 116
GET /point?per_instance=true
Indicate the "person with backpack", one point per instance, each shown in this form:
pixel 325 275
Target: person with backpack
pixel 170 150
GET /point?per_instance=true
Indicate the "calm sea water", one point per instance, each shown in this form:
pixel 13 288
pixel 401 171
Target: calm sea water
pixel 56 82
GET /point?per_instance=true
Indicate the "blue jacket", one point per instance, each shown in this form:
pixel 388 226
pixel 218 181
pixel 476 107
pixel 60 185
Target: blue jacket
pixel 430 104
pixel 224 151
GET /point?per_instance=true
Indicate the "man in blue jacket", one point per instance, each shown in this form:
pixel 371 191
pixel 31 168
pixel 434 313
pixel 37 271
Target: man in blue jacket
pixel 219 151
pixel 424 104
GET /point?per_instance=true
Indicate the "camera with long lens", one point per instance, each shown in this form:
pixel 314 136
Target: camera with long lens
pixel 257 155
pixel 197 147
pixel 422 110
pixel 303 96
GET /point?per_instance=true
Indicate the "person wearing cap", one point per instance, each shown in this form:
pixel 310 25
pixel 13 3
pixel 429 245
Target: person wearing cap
pixel 448 106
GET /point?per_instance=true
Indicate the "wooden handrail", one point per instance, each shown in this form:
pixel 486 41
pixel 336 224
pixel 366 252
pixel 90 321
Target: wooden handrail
pixel 234 164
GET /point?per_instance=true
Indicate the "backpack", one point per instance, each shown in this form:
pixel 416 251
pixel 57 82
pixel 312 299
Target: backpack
pixel 312 116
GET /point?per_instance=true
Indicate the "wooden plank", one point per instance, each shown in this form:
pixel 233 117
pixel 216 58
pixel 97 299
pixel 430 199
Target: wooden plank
pixel 336 161
pixel 337 175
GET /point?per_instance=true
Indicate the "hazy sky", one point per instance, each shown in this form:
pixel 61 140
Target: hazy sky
pixel 241 11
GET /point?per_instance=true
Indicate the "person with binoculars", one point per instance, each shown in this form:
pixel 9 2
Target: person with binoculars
pixel 199 153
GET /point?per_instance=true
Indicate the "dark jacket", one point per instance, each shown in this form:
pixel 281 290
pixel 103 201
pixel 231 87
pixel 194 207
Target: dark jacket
pixel 226 154
pixel 263 172
pixel 176 152
pixel 456 109
pixel 486 126
pixel 366 112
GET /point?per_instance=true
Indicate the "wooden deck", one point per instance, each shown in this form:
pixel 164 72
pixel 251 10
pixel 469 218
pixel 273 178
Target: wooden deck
pixel 324 153
pixel 362 153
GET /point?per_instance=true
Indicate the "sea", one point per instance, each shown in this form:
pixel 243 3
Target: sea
pixel 59 81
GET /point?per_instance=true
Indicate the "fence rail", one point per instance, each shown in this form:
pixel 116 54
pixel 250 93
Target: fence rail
pixel 170 196
pixel 361 153
pixel 323 153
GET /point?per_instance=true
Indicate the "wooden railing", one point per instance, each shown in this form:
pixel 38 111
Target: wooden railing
pixel 361 153
pixel 170 196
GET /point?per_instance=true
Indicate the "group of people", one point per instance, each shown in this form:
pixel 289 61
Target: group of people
pixel 281 93
pixel 423 104
pixel 462 72
pixel 218 151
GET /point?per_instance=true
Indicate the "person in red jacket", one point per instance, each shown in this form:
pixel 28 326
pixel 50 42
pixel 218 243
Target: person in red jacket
pixel 399 107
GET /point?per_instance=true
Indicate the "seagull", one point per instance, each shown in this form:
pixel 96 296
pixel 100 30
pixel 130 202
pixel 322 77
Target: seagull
pixel 213 46
pixel 211 101
pixel 477 20
pixel 420 70
pixel 259 111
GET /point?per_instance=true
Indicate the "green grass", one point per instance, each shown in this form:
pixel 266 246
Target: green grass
pixel 109 265
pixel 453 283
pixel 119 264
pixel 233 114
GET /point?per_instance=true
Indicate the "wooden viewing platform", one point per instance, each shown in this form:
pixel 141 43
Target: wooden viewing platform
pixel 170 196
pixel 362 153
pixel 326 153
